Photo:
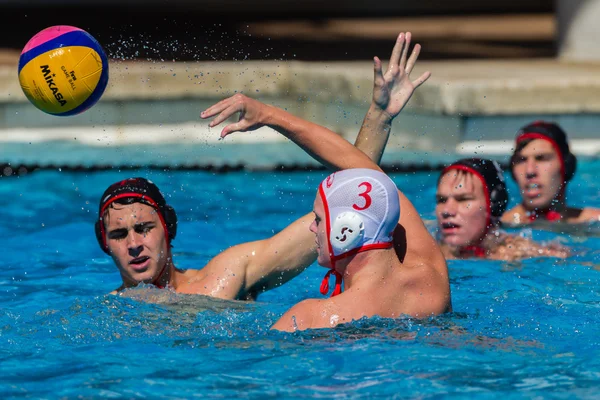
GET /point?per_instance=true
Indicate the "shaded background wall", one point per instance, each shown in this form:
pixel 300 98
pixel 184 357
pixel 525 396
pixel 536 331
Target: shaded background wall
pixel 496 65
pixel 302 30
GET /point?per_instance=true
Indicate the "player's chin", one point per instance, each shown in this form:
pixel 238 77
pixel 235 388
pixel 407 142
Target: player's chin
pixel 449 239
pixel 324 261
pixel 541 202
pixel 455 240
pixel 147 276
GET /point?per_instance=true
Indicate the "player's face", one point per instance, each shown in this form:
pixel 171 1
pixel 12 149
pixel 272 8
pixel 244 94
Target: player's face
pixel 537 170
pixel 136 241
pixel 318 227
pixel 461 209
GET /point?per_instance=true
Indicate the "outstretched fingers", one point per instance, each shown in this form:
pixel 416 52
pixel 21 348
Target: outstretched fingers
pixel 420 80
pixel 226 113
pixel 405 51
pixel 216 108
pixel 396 53
pixel 378 73
pixel 413 58
pixel 241 126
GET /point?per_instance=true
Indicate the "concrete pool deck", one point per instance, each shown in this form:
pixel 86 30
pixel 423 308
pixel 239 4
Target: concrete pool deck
pixel 467 107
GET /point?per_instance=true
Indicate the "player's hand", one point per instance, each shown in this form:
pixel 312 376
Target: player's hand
pixel 392 90
pixel 251 116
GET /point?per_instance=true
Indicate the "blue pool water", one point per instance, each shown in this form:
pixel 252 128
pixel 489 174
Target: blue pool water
pixel 520 330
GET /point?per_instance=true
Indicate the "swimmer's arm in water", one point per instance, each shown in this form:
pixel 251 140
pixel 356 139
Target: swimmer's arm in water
pixel 515 216
pixel 589 215
pixel 300 317
pixel 516 248
pixel 324 145
pixel 255 267
pixel 391 92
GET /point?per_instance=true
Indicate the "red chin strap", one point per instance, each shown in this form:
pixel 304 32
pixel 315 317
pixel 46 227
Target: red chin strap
pixel 155 281
pixel 475 251
pixel 338 283
pixel 548 215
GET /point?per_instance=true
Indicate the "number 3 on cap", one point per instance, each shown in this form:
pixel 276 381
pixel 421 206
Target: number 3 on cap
pixel 364 195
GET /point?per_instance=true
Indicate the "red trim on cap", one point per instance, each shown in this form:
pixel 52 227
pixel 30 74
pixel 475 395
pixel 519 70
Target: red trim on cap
pixel 535 135
pixel 373 246
pixel 333 258
pixel 338 276
pixel 153 204
pixel 486 190
pixel 327 225
pixel 338 283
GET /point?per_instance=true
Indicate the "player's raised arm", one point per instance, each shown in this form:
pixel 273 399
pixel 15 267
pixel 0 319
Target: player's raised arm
pixel 324 145
pixel 392 89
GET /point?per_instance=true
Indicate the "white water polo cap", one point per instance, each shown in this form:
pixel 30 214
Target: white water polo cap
pixel 362 209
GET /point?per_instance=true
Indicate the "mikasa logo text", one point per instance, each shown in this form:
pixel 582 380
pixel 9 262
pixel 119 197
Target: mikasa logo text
pixel 48 75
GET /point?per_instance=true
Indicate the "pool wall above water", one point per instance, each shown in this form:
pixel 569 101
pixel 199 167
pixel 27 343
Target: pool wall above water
pixel 467 107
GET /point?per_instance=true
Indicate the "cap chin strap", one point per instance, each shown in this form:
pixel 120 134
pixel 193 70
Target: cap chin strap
pixel 155 281
pixel 338 283
pixel 548 215
pixel 346 234
pixel 476 251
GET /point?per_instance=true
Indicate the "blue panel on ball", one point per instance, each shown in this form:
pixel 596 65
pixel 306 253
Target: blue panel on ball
pixel 75 38
pixel 95 96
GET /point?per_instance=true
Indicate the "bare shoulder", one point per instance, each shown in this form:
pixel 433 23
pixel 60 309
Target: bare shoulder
pixel 413 242
pixel 588 214
pixel 514 216
pixel 193 281
pixel 512 247
pixel 299 317
pixel 425 290
pixel 424 270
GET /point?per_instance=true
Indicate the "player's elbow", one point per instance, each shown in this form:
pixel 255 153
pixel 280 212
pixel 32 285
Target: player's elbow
pixel 423 305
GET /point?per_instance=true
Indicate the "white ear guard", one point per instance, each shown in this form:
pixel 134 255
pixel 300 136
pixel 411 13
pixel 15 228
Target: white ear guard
pixel 347 231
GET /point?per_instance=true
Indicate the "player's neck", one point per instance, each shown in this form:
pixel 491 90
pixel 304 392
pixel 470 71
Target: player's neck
pixel 168 277
pixel 369 266
pixel 481 246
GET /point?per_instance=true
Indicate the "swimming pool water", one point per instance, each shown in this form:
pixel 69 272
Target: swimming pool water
pixel 519 330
